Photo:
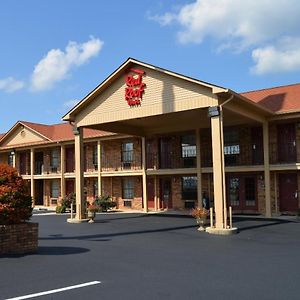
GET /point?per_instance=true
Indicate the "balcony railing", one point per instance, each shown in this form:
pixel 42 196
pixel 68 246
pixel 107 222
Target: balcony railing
pixel 115 163
pixel 235 155
pixel 170 160
pixel 283 153
pixel 41 169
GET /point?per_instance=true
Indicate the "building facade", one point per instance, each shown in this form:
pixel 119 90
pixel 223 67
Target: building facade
pixel 154 139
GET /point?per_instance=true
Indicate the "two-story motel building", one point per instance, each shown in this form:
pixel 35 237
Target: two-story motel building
pixel 154 139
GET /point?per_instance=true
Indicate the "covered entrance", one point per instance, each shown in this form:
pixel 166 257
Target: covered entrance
pixel 142 100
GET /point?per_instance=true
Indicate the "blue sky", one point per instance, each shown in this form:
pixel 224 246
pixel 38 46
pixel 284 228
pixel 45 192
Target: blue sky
pixel 55 52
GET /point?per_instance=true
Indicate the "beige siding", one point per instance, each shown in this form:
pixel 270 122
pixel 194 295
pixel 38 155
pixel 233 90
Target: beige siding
pixel 22 136
pixel 163 94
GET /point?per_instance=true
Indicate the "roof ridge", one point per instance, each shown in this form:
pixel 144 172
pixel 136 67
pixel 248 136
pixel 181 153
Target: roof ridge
pixel 271 88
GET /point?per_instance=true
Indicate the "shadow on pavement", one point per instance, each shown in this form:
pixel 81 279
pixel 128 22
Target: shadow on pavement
pixel 48 250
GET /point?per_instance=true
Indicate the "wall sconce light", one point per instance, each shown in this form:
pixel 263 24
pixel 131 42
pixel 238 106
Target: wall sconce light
pixel 13 152
pixel 213 111
pixel 76 130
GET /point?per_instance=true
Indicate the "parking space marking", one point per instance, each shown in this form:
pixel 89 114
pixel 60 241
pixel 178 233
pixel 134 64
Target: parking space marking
pixel 56 290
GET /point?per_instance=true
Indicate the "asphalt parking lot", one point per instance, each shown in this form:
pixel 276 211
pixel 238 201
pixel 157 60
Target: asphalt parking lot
pixel 137 256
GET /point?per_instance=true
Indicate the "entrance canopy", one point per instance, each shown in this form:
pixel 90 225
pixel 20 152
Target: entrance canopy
pixel 141 99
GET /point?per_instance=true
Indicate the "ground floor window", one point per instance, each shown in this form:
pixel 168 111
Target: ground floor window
pixel 54 189
pixel 189 188
pixel 128 188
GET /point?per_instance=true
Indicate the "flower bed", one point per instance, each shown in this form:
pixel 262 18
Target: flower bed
pixel 19 238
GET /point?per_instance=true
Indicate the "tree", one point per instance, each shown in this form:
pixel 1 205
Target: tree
pixel 15 200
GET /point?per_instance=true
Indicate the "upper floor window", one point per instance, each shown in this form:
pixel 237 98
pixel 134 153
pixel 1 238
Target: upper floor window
pixel 188 150
pixel 54 158
pixel 95 156
pixel 188 146
pixel 231 145
pixel 127 152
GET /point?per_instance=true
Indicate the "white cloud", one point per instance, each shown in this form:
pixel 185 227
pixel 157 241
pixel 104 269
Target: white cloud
pixel 243 25
pixel 70 103
pixel 11 85
pixel 56 65
pixel 283 57
pixel 245 22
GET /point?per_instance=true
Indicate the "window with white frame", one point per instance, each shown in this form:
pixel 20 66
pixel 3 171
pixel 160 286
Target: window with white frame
pixel 128 188
pixel 54 189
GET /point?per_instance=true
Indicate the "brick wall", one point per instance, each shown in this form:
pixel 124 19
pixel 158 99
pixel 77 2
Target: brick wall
pixel 19 238
pixel 111 159
pixel 89 151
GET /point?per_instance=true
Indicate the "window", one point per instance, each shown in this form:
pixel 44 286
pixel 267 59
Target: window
pixel 128 188
pixel 54 160
pixel 189 188
pixel 54 189
pixel 231 145
pixel 188 146
pixel 10 159
pixel 188 150
pixel 127 154
pixel 95 156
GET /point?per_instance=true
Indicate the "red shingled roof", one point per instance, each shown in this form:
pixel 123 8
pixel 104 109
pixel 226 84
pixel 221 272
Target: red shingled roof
pixel 63 131
pixel 277 99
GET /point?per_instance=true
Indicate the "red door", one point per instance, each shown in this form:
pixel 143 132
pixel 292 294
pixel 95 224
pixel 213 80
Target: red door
pixel 150 192
pixel 288 192
pixel 286 143
pixel 242 192
pixel 165 155
pixel 70 160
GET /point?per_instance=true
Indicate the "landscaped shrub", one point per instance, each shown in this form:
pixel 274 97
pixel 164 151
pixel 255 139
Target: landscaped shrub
pixel 15 200
pixel 66 204
pixel 104 203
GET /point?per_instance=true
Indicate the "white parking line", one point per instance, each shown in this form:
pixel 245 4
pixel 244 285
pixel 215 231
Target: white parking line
pixel 56 290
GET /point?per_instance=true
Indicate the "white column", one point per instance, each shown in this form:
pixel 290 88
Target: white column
pixel 79 166
pixel 267 169
pixel 144 178
pixel 218 170
pixel 99 168
pixel 199 174
pixel 62 171
pixel 32 175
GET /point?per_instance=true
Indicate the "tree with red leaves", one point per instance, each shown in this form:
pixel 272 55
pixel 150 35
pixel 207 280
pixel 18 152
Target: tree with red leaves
pixel 15 201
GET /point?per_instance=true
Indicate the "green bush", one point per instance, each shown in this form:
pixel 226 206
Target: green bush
pixel 60 209
pixel 66 204
pixel 15 200
pixel 105 203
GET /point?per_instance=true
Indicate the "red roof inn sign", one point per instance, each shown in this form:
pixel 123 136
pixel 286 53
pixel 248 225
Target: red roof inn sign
pixel 134 87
